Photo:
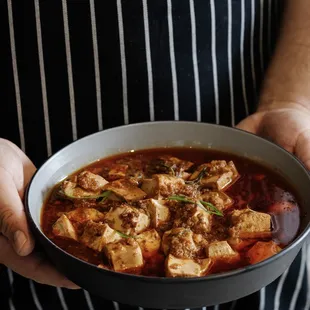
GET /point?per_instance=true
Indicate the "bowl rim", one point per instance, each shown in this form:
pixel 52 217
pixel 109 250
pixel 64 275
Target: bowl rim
pixel 165 280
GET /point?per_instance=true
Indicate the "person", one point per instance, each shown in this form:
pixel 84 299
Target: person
pixel 79 66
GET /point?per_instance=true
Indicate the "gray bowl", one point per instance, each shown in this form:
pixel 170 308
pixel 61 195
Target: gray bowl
pixel 166 292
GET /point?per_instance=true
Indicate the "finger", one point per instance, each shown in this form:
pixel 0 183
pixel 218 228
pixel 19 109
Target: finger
pixel 251 123
pixel 32 267
pixel 29 167
pixel 13 223
pixel 17 164
pixel 302 148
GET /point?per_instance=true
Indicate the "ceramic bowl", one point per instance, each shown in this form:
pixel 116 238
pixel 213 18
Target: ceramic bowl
pixel 166 293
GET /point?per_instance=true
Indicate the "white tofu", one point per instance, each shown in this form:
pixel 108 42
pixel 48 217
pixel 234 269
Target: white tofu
pixel 82 215
pixel 165 242
pixel 126 189
pixel 71 190
pixel 221 250
pixel 90 181
pixel 118 171
pixel 195 218
pixel 172 165
pixel 180 243
pixel 185 175
pixel 249 224
pixel 217 174
pixel 239 244
pixel 261 251
pixel 125 256
pixel 64 228
pixel 179 164
pixel 159 213
pixel 149 186
pixel 97 235
pixel 219 199
pixel 127 219
pixel 186 268
pixel 162 185
pixel 218 182
pixel 149 242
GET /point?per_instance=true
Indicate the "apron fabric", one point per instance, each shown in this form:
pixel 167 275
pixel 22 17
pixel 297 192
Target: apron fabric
pixel 75 67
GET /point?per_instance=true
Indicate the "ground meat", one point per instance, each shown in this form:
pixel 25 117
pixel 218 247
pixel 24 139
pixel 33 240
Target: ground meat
pixel 214 198
pixel 182 245
pixel 90 181
pixel 129 218
pixel 189 191
pixel 191 216
pixel 85 203
pixel 218 167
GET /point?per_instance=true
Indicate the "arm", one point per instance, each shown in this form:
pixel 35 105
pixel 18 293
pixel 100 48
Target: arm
pixel 283 114
pixel 288 79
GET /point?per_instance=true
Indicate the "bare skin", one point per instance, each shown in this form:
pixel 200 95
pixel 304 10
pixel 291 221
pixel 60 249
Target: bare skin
pixel 283 114
pixel 288 127
pixel 16 242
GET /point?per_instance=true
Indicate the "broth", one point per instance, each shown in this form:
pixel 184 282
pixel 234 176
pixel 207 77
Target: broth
pixel 201 235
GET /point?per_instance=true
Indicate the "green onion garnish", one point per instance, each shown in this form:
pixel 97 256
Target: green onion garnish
pixel 209 207
pixel 201 174
pixel 124 235
pixel 206 206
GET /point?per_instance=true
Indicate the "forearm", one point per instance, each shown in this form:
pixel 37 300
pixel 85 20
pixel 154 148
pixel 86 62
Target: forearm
pixel 287 81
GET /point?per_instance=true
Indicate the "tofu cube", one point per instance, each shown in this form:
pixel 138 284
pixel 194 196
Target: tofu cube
pixel 64 228
pixel 159 213
pixel 97 235
pixel 127 219
pixel 90 181
pixel 71 190
pixel 82 215
pixel 193 217
pixel 126 189
pixel 221 251
pixel 180 243
pixel 172 161
pixel 239 244
pixel 165 242
pixel 217 174
pixel 218 182
pixel 167 164
pixel 249 224
pixel 186 268
pixel 162 185
pixel 149 242
pixel 177 166
pixel 261 251
pixel 219 199
pixel 185 175
pixel 118 171
pixel 149 186
pixel 125 256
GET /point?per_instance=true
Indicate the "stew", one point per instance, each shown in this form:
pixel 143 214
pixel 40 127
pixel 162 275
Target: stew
pixel 174 212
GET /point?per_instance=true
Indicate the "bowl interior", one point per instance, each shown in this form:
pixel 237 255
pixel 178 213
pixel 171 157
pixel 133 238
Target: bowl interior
pixel 166 134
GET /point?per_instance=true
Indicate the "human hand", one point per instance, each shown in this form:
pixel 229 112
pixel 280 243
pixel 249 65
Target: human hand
pixel 287 124
pixel 16 242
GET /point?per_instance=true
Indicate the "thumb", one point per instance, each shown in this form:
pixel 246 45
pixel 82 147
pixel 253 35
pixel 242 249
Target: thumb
pixel 251 123
pixel 13 223
pixel 302 147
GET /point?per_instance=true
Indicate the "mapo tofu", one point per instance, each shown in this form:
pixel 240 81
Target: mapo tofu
pixel 171 213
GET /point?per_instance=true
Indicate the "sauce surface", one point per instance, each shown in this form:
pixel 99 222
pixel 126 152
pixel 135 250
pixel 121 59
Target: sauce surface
pixel 196 238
